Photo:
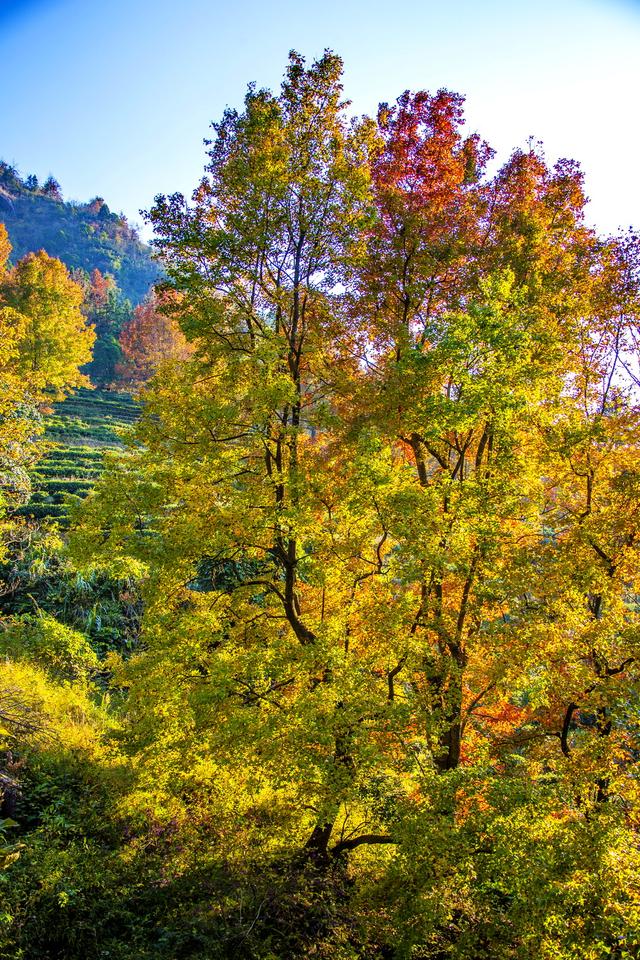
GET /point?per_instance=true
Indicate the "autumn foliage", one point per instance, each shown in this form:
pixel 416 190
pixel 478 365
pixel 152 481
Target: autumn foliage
pixel 44 340
pixel 383 508
pixel 152 337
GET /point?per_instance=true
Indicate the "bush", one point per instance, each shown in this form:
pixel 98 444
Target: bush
pixel 51 644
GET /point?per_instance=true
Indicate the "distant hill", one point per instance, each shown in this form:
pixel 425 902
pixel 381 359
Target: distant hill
pixel 82 235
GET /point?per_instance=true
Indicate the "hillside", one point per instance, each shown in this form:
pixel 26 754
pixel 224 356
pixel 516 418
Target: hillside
pixel 80 431
pixel 82 235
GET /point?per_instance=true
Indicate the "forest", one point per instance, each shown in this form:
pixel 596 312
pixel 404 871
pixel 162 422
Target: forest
pixel 319 566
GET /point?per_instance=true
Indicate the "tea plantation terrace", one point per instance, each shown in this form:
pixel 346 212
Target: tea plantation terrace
pixel 78 433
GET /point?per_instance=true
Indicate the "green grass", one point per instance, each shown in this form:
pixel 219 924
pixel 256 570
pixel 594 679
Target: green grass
pixel 79 431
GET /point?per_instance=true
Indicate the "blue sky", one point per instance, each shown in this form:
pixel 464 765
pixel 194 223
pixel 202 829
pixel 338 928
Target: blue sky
pixel 115 98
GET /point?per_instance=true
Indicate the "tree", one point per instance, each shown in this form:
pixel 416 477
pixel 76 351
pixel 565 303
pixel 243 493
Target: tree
pixel 5 249
pixel 95 206
pixel 385 515
pixel 107 310
pixel 99 289
pixel 431 199
pixel 151 337
pixel 51 188
pixel 276 221
pixel 15 429
pixel 55 340
pixel 43 340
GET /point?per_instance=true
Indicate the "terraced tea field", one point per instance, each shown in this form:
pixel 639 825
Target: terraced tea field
pixel 79 432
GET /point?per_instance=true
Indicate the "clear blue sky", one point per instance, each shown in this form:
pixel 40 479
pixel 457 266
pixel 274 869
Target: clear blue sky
pixel 115 98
